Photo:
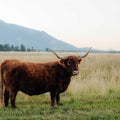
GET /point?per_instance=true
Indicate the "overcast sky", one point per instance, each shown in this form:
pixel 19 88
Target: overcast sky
pixel 82 23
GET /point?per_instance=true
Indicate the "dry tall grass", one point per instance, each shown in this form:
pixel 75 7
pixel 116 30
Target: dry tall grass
pixel 99 76
pixel 99 73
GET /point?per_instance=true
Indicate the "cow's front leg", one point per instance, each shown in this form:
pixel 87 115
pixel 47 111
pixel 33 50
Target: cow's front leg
pixel 52 95
pixel 58 98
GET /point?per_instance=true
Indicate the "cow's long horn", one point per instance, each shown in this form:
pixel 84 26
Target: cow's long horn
pixel 85 54
pixel 59 57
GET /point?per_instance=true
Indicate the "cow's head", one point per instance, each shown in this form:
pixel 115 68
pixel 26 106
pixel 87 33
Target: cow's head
pixel 70 63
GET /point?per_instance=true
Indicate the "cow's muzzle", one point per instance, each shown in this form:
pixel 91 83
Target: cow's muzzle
pixel 75 73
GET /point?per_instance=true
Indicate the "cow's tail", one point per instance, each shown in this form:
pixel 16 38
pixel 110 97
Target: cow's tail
pixel 1 87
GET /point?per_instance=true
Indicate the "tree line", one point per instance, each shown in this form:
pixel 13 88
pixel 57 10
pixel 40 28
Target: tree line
pixel 7 47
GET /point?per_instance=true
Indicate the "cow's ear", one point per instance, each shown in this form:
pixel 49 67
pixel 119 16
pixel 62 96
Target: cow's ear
pixel 79 61
pixel 62 62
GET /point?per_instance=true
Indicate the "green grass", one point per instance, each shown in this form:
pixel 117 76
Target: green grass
pixel 88 108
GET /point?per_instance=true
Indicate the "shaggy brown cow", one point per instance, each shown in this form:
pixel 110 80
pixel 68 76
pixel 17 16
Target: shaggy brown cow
pixel 37 78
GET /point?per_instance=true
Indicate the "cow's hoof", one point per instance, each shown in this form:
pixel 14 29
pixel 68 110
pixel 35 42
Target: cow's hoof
pixel 13 107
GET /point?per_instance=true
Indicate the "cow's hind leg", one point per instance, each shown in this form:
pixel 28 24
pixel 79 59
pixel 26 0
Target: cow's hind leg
pixel 6 97
pixel 58 99
pixel 12 98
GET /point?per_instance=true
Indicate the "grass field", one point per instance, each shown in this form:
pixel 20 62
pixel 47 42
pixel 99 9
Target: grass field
pixel 92 95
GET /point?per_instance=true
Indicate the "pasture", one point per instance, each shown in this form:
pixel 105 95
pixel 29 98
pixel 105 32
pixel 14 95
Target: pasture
pixel 94 94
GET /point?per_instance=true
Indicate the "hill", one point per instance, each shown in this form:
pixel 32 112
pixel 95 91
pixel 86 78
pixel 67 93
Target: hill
pixel 16 35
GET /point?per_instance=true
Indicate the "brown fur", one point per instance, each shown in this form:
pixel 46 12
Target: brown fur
pixel 37 78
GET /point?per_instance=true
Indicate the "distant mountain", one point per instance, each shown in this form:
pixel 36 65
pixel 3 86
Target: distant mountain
pixel 16 35
pixel 110 50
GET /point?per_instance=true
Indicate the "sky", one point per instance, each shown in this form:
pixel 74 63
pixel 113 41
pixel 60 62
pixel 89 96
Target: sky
pixel 82 23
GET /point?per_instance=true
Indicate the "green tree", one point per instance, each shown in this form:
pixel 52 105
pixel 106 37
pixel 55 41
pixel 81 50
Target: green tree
pixel 22 47
pixel 12 47
pixel 16 48
pixel 28 49
pixel 47 49
pixel 7 47
pixel 1 47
